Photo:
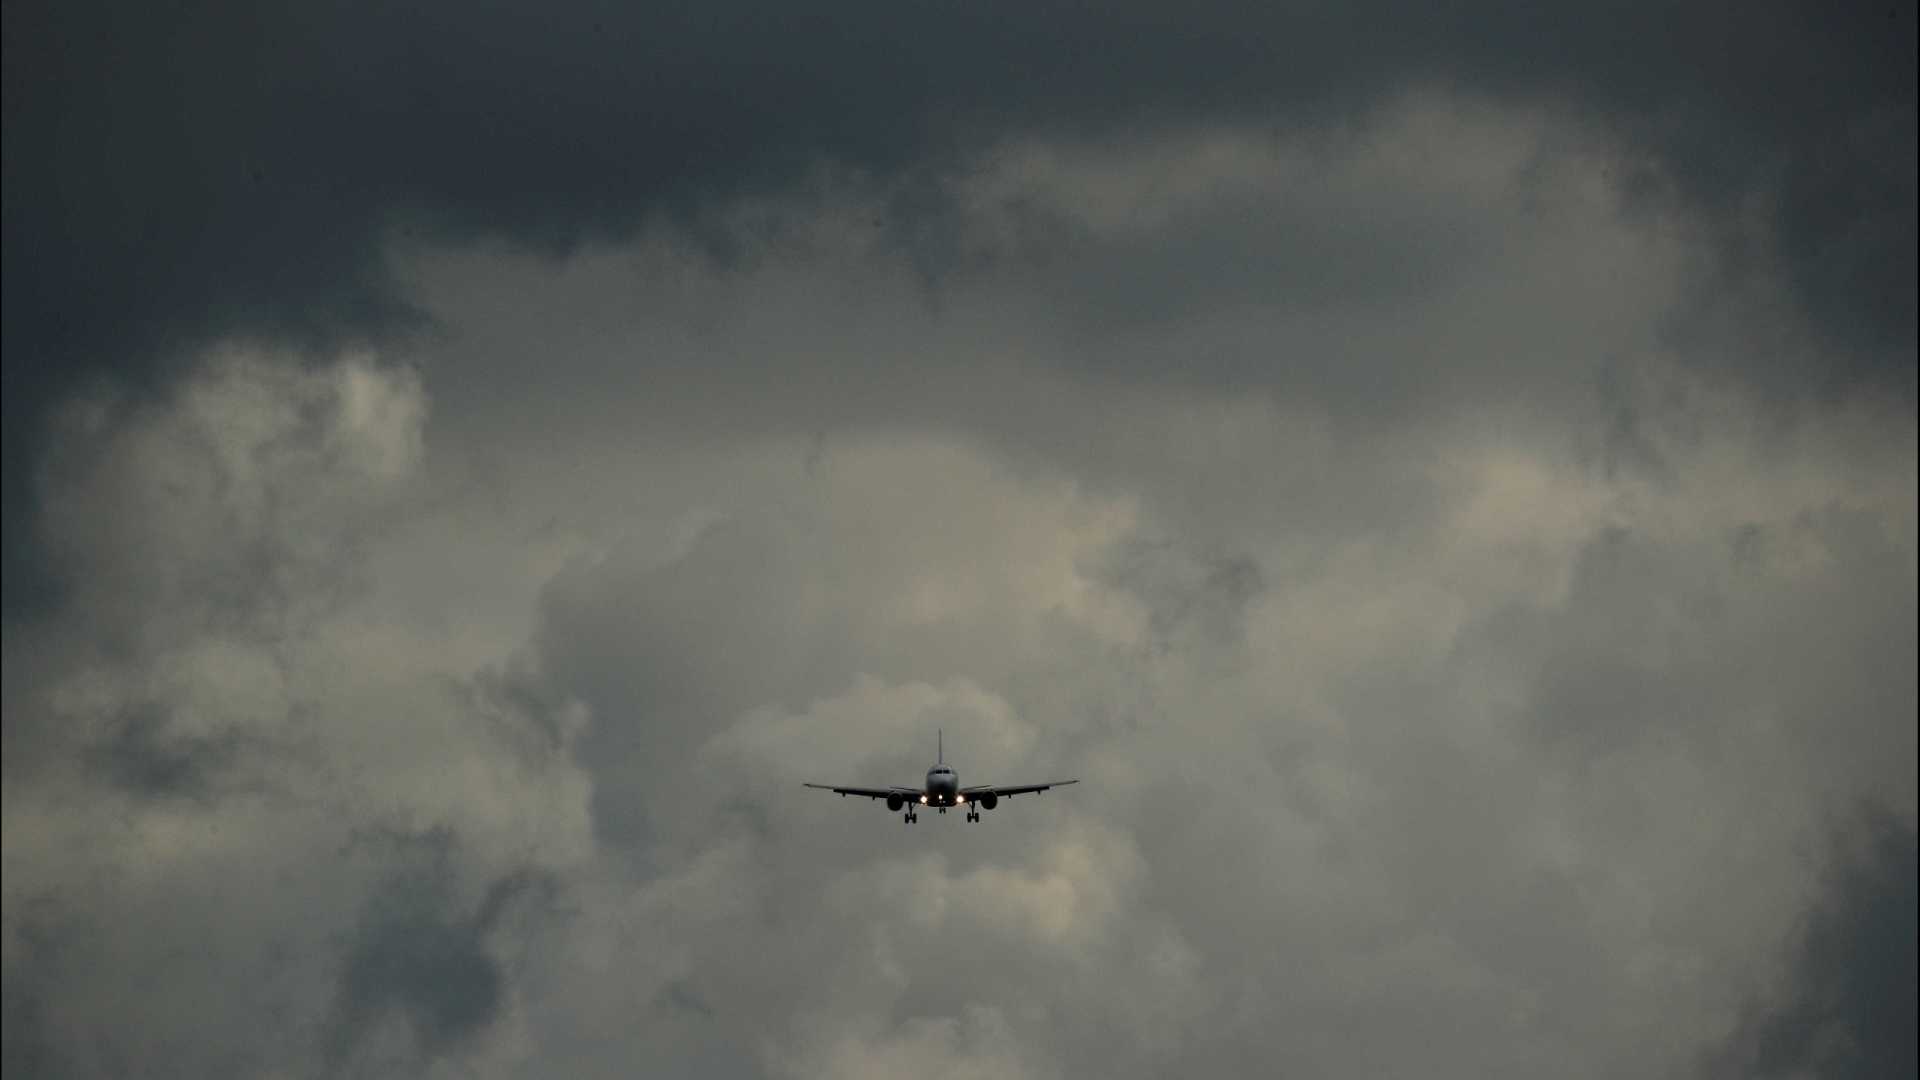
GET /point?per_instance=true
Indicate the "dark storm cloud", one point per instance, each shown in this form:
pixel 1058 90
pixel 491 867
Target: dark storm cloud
pixel 1243 459
pixel 1848 1006
pixel 179 172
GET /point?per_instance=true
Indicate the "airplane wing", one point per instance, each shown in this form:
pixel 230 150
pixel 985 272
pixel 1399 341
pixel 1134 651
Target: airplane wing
pixel 971 793
pixel 910 794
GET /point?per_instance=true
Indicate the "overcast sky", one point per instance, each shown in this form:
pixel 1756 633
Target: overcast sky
pixel 1442 476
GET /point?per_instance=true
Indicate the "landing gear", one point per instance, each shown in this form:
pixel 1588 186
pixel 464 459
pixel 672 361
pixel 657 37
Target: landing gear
pixel 911 817
pixel 973 815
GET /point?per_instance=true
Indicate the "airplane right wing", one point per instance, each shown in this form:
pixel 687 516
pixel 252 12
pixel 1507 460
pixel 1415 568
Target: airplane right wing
pixel 908 794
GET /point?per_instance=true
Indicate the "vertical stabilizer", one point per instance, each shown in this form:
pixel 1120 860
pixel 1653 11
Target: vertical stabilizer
pixel 940 748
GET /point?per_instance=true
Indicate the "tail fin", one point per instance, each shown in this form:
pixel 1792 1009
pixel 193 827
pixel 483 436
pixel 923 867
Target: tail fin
pixel 941 747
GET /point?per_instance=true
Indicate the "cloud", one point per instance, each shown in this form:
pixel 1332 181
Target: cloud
pixel 1434 649
pixel 412 953
pixel 158 208
pixel 980 1042
pixel 217 712
pixel 1843 1007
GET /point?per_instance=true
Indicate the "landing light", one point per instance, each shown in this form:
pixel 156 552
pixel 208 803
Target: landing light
pixel 923 800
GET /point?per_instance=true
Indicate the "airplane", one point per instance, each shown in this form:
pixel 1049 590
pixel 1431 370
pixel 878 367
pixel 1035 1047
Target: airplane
pixel 942 790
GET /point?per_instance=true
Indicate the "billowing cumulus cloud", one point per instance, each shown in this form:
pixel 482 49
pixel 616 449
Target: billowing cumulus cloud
pixel 221 706
pixel 1439 507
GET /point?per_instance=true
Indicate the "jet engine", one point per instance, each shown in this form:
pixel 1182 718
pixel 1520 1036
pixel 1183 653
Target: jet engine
pixel 894 802
pixel 988 800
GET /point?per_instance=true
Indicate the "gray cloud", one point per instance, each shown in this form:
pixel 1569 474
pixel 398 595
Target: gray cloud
pixel 138 755
pixel 180 176
pixel 1844 1010
pixel 414 953
pixel 1465 663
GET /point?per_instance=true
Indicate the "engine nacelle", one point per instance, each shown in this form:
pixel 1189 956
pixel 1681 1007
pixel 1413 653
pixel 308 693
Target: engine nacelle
pixel 894 802
pixel 988 800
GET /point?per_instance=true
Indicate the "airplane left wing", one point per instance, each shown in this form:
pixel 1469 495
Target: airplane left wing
pixel 972 793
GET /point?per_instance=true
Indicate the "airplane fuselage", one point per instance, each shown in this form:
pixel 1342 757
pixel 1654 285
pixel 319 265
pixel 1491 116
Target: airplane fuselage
pixel 943 786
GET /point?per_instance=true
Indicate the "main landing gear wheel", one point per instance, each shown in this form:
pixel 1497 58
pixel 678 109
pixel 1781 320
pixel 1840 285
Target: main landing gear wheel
pixel 911 818
pixel 973 815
